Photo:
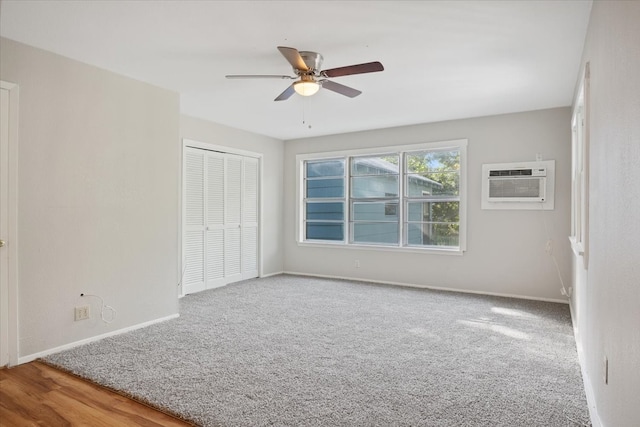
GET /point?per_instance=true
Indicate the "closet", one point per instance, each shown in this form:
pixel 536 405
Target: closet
pixel 220 218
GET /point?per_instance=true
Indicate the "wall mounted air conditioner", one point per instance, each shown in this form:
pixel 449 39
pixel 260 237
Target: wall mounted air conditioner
pixel 526 185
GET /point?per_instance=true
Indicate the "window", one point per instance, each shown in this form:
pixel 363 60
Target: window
pixel 409 197
pixel 324 200
pixel 375 192
pixel 580 172
pixel 433 198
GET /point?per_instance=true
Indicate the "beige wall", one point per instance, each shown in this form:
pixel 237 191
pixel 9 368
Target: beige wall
pixel 505 249
pixel 606 303
pixel 272 153
pixel 98 198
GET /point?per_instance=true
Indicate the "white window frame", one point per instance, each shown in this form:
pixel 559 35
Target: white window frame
pixel 458 144
pixel 579 237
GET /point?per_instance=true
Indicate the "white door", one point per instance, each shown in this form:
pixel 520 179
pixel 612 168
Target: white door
pixel 193 230
pixel 4 198
pixel 232 219
pixel 215 219
pixel 250 205
pixel 220 242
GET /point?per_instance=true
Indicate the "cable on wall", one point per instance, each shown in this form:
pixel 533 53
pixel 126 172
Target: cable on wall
pixel 549 250
pixel 104 309
pixel 184 269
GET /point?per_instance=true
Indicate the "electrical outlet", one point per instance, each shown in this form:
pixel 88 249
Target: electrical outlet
pixel 357 264
pixel 81 313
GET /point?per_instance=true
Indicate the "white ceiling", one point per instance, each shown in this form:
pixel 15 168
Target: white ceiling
pixel 443 59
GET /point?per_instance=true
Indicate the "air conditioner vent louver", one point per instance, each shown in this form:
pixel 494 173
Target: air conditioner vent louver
pixel 516 189
pixel 511 172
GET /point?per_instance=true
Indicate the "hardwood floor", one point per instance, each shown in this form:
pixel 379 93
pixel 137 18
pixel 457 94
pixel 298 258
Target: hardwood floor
pixel 35 394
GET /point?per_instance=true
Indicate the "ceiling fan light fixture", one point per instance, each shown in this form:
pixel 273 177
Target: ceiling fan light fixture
pixel 306 88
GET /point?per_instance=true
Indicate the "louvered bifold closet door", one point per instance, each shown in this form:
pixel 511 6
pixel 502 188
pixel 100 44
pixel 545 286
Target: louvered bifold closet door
pixel 221 217
pixel 250 219
pixel 194 221
pixel 233 218
pixel 215 207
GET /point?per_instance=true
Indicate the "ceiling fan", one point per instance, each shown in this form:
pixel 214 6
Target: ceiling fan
pixel 306 66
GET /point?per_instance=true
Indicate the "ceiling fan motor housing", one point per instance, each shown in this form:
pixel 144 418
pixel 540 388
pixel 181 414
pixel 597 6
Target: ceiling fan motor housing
pixel 313 61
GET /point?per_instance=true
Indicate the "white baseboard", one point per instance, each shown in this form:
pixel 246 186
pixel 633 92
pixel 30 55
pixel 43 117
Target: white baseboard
pixel 272 274
pixel 435 288
pixel 586 380
pixel 34 356
pixel 591 398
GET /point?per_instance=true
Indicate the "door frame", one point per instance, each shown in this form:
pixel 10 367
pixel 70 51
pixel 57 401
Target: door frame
pixel 226 150
pixel 9 287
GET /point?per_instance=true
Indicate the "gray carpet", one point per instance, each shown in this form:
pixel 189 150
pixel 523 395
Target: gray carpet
pixel 294 351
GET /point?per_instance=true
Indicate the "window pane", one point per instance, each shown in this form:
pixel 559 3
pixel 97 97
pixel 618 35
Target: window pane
pixel 325 231
pixel 433 211
pixel 325 168
pixel 375 211
pixel 324 188
pixel 374 186
pixel 432 234
pixel 325 211
pixel 433 184
pixel 433 161
pixel 375 232
pixel 376 165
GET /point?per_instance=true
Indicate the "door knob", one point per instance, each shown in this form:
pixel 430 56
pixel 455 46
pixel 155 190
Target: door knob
pixel 1 243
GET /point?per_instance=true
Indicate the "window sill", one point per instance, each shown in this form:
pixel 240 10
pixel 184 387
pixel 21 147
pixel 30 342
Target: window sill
pixel 410 249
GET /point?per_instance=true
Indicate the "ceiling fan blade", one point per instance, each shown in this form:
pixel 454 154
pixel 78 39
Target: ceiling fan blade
pixel 341 89
pixel 369 67
pixel 293 56
pixel 286 94
pixel 257 76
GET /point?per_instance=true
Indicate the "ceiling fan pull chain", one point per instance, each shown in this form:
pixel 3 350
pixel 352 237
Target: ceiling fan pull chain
pixel 304 103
